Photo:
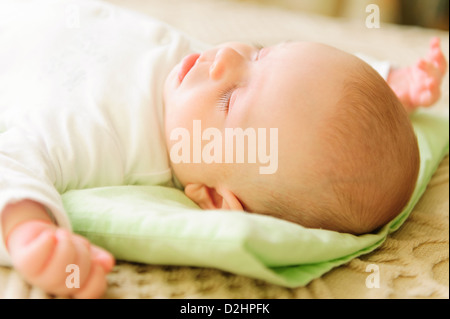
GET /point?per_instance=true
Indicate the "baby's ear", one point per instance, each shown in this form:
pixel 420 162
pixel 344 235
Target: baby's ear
pixel 212 198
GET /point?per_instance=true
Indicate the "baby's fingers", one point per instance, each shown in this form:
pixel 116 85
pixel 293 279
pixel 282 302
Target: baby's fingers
pixel 436 57
pixel 435 43
pixel 95 284
pixel 103 257
pixel 426 98
pixel 32 257
pixel 52 277
pixel 70 267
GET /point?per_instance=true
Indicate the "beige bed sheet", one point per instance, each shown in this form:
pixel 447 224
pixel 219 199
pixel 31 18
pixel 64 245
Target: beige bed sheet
pixel 412 263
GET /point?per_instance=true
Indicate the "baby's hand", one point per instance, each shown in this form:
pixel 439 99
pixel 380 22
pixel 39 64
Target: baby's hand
pixel 419 85
pixel 41 252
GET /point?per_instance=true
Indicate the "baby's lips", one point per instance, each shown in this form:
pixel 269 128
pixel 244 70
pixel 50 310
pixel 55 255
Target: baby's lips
pixel 186 65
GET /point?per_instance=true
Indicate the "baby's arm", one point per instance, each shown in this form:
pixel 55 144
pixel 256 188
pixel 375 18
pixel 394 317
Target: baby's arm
pixel 419 84
pixel 40 251
pixel 38 159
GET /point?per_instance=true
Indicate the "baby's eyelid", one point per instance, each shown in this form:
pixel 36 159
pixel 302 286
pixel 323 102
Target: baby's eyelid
pixel 258 53
pixel 259 48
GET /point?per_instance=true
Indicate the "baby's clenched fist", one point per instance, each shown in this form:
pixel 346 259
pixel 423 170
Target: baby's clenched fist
pixel 41 252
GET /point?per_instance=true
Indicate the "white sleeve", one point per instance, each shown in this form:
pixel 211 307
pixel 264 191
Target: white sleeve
pixel 27 172
pixel 381 66
pixel 51 151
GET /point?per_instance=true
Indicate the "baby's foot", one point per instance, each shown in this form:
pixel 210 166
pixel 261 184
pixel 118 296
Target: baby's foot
pixel 419 85
pixel 42 252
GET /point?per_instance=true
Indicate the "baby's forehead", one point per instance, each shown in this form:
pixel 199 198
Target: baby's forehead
pixel 304 68
pixel 296 84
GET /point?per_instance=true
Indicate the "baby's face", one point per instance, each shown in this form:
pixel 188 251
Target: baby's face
pixel 290 87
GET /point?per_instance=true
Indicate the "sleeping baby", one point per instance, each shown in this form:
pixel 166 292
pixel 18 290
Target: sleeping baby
pixel 105 102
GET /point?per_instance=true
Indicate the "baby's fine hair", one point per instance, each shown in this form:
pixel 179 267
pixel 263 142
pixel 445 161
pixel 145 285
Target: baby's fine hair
pixel 369 162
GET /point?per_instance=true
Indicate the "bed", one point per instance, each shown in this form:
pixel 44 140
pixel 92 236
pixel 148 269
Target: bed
pixel 411 263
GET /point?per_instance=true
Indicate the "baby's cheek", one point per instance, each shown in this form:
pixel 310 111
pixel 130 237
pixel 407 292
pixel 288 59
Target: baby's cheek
pixel 192 108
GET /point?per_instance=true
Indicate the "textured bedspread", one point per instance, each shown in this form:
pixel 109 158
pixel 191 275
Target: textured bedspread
pixel 412 263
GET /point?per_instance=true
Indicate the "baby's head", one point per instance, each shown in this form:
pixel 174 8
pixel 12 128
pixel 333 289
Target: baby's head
pixel 346 155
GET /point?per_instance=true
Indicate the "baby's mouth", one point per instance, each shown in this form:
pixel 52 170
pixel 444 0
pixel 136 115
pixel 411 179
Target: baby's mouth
pixel 186 65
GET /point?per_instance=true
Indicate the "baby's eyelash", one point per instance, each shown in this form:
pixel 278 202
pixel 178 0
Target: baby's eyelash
pixel 224 99
pixel 258 45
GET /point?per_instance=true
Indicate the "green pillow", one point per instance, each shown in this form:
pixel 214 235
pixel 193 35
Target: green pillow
pixel 159 225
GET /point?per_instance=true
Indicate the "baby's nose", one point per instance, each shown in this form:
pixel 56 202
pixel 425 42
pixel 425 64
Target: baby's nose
pixel 226 60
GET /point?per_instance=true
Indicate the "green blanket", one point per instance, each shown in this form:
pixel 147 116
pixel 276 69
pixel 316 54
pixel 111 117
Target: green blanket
pixel 158 225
